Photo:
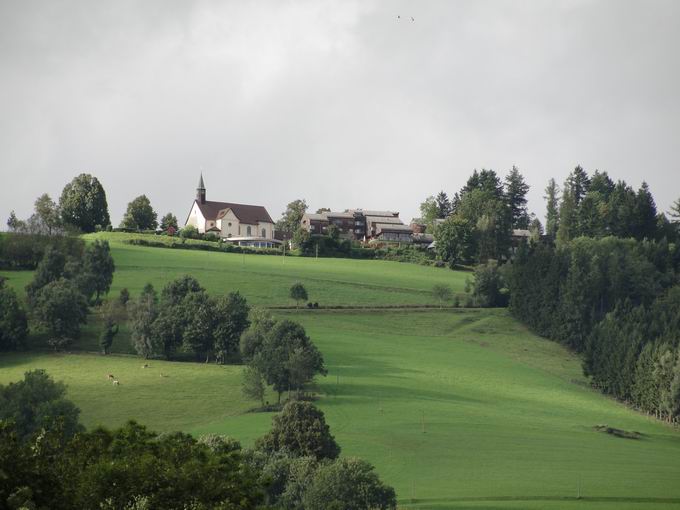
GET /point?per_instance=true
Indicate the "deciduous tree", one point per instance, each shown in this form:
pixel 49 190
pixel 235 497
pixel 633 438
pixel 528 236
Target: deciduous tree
pixel 298 293
pixel 83 204
pixel 140 215
pixel 301 430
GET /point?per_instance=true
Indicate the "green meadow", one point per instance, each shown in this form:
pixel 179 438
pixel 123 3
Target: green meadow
pixel 456 408
pixel 265 279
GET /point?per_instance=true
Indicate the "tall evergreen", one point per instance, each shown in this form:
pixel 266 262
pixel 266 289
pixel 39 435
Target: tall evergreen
pixel 578 184
pixel 601 183
pixel 645 214
pixel 443 205
pixel 568 217
pixel 552 216
pixel 516 192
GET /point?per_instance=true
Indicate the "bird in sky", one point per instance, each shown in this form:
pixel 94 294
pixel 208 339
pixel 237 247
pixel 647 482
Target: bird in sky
pixel 412 20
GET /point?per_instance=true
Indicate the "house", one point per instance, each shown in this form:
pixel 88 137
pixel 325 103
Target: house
pixel 350 224
pixel 360 225
pixel 240 224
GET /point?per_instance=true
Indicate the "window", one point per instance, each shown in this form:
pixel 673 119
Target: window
pixel 264 232
pixel 229 224
pixel 248 231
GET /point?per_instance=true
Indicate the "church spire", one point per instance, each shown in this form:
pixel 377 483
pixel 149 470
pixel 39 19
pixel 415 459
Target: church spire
pixel 200 191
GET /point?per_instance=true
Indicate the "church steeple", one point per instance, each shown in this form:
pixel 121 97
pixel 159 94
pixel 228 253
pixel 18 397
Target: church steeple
pixel 200 191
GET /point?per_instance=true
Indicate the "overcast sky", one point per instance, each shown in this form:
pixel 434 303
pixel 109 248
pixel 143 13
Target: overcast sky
pixel 339 103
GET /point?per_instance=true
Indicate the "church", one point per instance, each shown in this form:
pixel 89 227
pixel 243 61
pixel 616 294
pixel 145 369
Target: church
pixel 240 224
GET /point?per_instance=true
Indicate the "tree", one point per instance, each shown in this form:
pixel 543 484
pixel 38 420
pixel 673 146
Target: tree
pixel 176 290
pixel 291 218
pixel 348 484
pixel 129 468
pixel 568 220
pixel 535 228
pixel 298 293
pixel 112 313
pixel 300 429
pixel 95 272
pixel 48 214
pixel 140 215
pixel 645 214
pixel 83 204
pixel 301 238
pixel 578 184
pixel 443 205
pixel 35 403
pixel 485 207
pixel 601 183
pixel 287 358
pixel 60 309
pixel 13 322
pixel 552 215
pixel 13 223
pixel 124 296
pixel 454 241
pixel 429 212
pixel 261 323
pixel 253 385
pixel 200 320
pixel 516 192
pixel 442 293
pixel 231 312
pixel 167 221
pixel 143 314
pixel 488 285
pixel 674 213
pixel 50 269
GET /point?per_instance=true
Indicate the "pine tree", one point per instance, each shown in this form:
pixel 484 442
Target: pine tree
pixel 567 228
pixel 578 184
pixel 645 214
pixel 552 216
pixel 516 191
pixel 443 205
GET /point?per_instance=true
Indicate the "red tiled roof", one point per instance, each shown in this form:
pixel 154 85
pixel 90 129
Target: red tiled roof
pixel 249 214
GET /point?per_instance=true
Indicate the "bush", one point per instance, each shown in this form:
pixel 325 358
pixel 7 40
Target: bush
pixel 189 232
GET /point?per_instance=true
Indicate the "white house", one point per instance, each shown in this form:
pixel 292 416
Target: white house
pixel 244 225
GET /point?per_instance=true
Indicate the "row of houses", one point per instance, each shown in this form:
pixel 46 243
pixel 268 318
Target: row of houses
pixel 360 225
pixel 251 225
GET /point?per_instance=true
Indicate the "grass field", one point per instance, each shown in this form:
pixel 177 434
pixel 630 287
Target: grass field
pixel 456 409
pixel 266 280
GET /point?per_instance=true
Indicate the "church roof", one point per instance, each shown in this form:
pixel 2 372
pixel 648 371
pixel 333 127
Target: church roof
pixel 250 214
pixel 200 183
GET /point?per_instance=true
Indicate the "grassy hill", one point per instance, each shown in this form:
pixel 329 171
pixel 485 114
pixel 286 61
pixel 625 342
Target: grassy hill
pixel 265 279
pixel 460 409
pixel 456 408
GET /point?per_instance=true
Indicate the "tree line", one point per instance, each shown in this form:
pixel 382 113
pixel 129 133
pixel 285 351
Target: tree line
pixel 49 461
pixel 68 280
pixel 83 207
pixel 607 287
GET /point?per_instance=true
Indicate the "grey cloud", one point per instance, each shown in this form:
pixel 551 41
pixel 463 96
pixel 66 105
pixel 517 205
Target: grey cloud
pixel 336 102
